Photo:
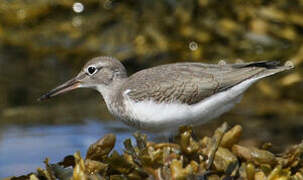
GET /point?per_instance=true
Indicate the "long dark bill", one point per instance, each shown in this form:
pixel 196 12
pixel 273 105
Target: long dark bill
pixel 67 86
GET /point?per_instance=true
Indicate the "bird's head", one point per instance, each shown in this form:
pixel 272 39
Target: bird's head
pixel 98 73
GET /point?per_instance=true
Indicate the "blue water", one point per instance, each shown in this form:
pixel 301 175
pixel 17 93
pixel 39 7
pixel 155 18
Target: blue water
pixel 23 149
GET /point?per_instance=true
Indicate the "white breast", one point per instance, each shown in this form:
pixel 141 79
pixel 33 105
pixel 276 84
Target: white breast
pixel 154 116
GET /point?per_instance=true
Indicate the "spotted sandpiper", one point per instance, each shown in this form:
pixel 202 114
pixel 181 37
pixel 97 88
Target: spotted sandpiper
pixel 167 96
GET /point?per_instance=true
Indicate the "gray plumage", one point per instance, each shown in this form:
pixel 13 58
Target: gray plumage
pixel 190 83
pixel 169 95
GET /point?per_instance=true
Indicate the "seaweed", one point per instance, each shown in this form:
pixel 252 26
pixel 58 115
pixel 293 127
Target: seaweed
pixel 216 157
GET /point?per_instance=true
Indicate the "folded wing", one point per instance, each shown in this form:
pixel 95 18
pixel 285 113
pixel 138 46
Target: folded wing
pixel 190 83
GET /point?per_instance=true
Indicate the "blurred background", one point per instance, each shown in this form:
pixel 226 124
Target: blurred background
pixel 45 42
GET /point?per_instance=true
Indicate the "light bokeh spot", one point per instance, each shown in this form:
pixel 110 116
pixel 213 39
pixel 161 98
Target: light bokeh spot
pixel 78 7
pixel 193 45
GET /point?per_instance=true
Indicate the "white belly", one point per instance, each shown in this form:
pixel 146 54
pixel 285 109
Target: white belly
pixel 154 116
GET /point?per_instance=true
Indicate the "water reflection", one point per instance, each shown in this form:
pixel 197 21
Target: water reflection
pixel 23 149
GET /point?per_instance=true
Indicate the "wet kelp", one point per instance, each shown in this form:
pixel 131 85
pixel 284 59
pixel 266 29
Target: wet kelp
pixel 216 157
pixel 187 29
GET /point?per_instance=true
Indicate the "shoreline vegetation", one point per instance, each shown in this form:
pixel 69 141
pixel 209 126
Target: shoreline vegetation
pixel 216 157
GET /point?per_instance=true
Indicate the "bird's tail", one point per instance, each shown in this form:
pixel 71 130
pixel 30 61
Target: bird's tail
pixel 271 67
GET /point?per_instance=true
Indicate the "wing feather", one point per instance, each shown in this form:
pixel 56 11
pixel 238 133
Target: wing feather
pixel 187 83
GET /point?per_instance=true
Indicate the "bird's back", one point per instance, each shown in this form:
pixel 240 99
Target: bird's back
pixel 190 83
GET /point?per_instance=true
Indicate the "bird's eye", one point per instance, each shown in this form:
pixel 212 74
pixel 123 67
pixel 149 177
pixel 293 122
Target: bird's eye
pixel 91 70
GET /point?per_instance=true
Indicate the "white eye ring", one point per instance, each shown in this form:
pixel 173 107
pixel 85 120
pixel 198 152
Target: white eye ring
pixel 91 70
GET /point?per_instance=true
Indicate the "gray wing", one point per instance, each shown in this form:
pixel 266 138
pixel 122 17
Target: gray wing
pixel 192 82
